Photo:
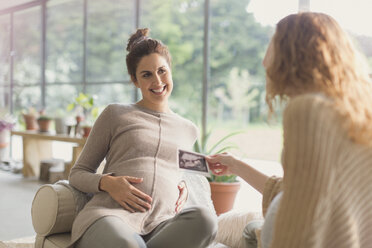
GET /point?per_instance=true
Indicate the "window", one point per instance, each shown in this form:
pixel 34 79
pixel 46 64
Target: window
pixel 112 93
pixel 4 61
pixel 179 24
pixel 109 25
pixel 354 17
pixel 240 34
pixel 27 59
pixel 27 53
pixel 64 41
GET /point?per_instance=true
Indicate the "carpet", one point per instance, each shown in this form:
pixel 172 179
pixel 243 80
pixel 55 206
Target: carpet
pixel 26 242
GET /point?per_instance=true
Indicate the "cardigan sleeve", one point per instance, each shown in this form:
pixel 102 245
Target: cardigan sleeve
pixel 83 174
pixel 272 187
pixel 308 140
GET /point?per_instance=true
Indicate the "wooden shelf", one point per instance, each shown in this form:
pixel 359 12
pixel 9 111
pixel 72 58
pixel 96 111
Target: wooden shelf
pixel 50 136
pixel 38 146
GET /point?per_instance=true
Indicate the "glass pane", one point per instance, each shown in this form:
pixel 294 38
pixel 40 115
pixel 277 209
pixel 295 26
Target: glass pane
pixel 64 41
pixel 4 97
pixel 111 93
pixel 109 25
pixel 4 49
pixel 25 98
pixel 27 36
pixel 357 23
pixel 240 33
pixel 58 97
pixel 12 3
pixel 179 25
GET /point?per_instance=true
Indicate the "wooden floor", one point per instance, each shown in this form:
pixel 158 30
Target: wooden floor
pixel 16 195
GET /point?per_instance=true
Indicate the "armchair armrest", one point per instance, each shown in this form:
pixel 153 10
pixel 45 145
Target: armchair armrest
pixel 55 207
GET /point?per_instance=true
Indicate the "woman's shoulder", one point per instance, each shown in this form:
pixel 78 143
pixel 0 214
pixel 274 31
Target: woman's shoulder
pixel 314 104
pixel 315 112
pixel 119 108
pixel 185 121
pixel 309 99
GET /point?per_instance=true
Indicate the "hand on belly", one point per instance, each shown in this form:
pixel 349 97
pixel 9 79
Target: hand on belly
pixel 121 189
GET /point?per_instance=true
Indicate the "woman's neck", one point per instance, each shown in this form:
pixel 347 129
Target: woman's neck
pixel 162 108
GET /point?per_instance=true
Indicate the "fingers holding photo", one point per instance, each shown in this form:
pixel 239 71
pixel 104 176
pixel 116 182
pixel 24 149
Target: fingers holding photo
pixel 221 164
pixel 218 169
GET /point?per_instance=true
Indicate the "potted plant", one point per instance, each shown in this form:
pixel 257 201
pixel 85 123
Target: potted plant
pixel 30 116
pixel 44 123
pixel 86 112
pixel 6 124
pixel 223 188
pixel 60 122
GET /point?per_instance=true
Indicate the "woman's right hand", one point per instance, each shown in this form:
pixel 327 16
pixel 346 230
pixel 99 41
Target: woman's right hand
pixel 222 164
pixel 123 192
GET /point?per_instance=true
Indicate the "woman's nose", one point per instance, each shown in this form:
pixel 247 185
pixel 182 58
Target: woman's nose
pixel 157 80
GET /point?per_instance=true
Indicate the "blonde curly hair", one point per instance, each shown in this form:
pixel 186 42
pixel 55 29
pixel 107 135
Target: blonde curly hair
pixel 311 53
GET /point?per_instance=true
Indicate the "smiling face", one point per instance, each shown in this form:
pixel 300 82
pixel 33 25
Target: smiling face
pixel 154 79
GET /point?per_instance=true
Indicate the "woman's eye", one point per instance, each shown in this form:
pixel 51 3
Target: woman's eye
pixel 146 75
pixel 161 71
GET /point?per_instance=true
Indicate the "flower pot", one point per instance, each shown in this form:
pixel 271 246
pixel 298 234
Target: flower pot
pixel 79 118
pixel 30 121
pixel 223 195
pixel 44 125
pixel 4 138
pixel 60 125
pixel 86 131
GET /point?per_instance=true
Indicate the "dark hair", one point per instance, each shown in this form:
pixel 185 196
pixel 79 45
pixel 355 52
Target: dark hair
pixel 139 46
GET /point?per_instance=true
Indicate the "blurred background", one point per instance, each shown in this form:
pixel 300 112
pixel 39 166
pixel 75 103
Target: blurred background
pixel 50 51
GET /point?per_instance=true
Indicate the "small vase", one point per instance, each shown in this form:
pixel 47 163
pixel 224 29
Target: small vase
pixel 86 131
pixel 4 142
pixel 4 138
pixel 30 121
pixel 44 125
pixel 60 125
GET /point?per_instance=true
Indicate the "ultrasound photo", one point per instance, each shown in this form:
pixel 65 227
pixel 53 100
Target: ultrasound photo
pixel 192 162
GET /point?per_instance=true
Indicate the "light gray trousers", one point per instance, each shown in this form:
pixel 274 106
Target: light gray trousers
pixel 193 227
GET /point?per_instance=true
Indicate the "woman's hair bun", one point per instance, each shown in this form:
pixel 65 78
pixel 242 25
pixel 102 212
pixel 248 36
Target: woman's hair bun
pixel 138 36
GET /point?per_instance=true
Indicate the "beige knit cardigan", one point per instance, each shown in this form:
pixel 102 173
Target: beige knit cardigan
pixel 327 183
pixel 135 142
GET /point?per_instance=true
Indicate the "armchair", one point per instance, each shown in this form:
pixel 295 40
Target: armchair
pixel 56 205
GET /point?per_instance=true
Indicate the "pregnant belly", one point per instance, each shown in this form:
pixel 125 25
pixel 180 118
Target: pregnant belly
pixel 162 187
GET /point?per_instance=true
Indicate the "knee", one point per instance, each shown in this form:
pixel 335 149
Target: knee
pixel 249 233
pixel 206 221
pixel 128 242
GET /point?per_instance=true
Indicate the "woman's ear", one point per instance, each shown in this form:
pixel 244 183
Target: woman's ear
pixel 134 80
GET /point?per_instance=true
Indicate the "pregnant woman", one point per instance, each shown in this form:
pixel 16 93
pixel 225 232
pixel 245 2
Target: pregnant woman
pixel 136 199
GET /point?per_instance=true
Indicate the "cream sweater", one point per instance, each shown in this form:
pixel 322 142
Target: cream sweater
pixel 135 142
pixel 327 183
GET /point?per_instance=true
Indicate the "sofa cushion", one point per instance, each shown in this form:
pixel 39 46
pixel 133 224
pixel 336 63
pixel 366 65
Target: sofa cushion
pixel 53 210
pixel 57 240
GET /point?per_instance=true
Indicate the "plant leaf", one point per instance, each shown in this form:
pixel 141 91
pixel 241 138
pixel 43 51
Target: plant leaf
pixel 226 148
pixel 223 139
pixel 71 106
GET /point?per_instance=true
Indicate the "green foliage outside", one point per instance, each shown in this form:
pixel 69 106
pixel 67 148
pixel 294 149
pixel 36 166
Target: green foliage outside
pixel 237 41
pixel 238 44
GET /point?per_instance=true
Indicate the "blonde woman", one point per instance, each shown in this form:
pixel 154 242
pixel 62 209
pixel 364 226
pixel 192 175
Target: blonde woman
pixel 325 197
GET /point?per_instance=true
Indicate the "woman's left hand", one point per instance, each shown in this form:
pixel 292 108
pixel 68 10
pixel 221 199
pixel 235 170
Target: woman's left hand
pixel 182 197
